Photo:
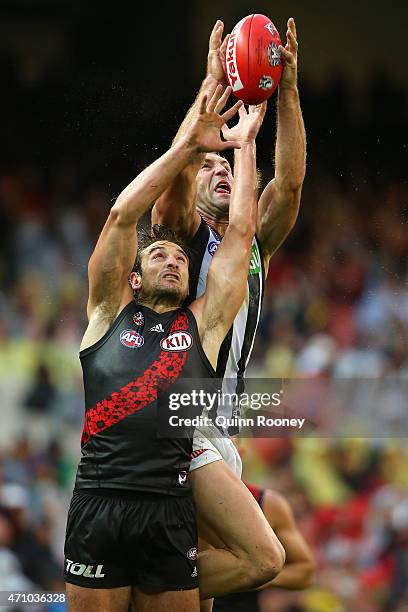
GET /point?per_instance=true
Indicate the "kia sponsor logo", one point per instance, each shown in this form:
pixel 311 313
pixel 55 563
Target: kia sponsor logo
pixel 82 569
pixel 178 341
pixel 131 338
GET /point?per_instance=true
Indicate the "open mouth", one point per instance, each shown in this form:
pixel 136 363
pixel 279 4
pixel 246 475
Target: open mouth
pixel 171 276
pixel 223 187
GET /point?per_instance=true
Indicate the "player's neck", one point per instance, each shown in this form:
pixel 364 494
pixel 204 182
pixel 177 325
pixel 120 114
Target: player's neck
pixel 220 225
pixel 156 304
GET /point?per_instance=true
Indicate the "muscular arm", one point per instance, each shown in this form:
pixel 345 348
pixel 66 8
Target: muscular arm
pixel 176 207
pixel 279 203
pixel 216 309
pixel 115 252
pixel 298 571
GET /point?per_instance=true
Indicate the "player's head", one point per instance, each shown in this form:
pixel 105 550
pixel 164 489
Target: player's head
pixel 214 186
pixel 161 270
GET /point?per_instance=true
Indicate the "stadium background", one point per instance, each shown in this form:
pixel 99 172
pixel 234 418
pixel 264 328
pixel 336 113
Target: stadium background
pixel 90 95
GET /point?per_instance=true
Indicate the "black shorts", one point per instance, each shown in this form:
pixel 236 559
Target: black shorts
pixel 147 539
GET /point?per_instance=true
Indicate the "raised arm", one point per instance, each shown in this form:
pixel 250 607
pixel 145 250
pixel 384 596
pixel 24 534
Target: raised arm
pixel 226 285
pixel 279 203
pixel 176 206
pixel 115 252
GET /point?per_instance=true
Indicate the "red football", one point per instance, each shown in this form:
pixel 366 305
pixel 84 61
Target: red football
pixel 253 64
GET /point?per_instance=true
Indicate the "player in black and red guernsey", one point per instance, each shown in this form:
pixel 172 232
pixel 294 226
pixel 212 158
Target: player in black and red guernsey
pixel 131 527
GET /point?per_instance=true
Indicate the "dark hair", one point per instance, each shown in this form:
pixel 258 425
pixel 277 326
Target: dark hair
pixel 157 232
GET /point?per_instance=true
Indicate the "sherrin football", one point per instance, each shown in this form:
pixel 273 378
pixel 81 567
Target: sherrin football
pixel 253 64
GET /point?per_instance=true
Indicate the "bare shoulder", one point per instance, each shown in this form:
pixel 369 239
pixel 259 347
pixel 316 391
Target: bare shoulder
pixel 277 508
pixel 100 320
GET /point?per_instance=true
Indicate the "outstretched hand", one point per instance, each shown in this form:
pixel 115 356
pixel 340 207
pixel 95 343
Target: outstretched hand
pixel 248 126
pixel 289 54
pixel 216 53
pixel 205 133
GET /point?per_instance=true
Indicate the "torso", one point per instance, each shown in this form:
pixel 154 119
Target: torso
pixel 128 375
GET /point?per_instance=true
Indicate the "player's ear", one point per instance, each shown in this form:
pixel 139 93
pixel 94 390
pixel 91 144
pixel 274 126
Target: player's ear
pixel 135 281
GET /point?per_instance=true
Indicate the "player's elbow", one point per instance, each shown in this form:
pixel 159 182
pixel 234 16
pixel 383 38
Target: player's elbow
pixel 290 178
pixel 295 183
pixel 280 220
pixel 124 212
pixel 119 209
pixel 289 191
pixel 275 560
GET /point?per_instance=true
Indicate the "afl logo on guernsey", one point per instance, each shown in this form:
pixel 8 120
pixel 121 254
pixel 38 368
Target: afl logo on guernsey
pixel 178 341
pixel 212 247
pixel 131 339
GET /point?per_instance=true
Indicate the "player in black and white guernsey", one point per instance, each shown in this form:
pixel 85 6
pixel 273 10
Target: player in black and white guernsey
pixel 201 196
pixel 236 349
pixel 131 528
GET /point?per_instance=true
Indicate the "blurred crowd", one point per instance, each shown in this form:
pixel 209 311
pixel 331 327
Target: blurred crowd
pixel 336 305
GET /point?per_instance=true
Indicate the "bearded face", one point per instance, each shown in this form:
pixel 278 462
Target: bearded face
pixel 164 274
pixel 214 185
